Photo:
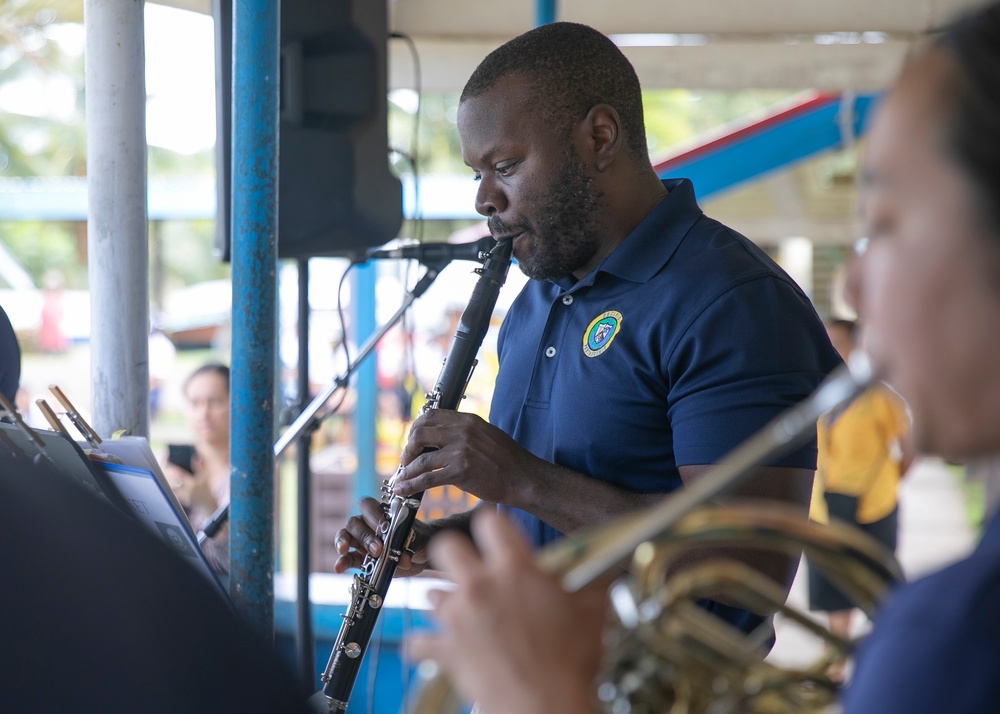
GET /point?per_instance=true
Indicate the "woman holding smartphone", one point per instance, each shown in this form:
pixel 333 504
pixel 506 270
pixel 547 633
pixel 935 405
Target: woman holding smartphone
pixel 199 473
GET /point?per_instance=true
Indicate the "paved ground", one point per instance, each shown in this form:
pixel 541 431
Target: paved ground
pixel 934 531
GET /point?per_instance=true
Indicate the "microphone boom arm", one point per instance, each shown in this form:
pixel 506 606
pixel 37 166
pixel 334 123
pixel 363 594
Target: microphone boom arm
pixel 308 415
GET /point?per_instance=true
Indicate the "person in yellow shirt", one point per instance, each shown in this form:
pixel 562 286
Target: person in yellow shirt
pixel 862 455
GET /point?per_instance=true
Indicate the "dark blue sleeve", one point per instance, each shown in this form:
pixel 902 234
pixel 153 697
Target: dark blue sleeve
pixel 10 358
pixel 934 649
pixel 750 354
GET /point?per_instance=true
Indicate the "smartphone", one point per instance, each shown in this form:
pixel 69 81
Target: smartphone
pixel 181 455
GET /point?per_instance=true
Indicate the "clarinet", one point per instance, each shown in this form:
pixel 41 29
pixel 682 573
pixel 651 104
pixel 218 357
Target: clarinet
pixel 370 586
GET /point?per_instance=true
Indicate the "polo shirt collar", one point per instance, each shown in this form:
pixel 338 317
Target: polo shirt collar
pixel 651 243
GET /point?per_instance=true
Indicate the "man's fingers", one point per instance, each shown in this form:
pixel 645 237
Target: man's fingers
pixel 371 511
pixel 357 534
pixel 346 562
pixel 431 430
pixel 361 531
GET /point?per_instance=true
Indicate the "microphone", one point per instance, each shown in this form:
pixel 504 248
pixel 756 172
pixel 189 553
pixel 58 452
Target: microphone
pixel 436 253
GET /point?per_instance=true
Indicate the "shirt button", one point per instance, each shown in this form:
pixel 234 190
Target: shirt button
pixel 550 351
pixel 567 299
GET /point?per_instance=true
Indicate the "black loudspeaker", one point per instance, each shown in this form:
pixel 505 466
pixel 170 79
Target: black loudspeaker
pixel 336 194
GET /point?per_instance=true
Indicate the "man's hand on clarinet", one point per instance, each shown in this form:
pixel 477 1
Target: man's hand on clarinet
pixel 461 449
pixel 359 537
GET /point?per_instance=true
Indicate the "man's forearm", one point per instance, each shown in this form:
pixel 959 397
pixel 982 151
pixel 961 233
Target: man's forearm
pixel 569 500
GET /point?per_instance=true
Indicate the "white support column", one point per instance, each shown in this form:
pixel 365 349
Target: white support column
pixel 795 255
pixel 117 240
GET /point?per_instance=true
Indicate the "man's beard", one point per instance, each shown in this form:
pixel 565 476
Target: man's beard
pixel 569 234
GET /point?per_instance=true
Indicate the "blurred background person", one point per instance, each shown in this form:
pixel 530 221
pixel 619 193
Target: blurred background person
pixel 51 335
pixel 199 476
pixel 862 455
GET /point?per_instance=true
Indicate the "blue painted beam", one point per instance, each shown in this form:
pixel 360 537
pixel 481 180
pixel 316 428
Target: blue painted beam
pixel 366 481
pixel 775 142
pixel 254 333
pixel 716 165
pixel 64 198
pixel 545 12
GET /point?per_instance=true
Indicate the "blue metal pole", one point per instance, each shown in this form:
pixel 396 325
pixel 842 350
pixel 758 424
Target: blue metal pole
pixel 545 12
pixel 254 266
pixel 366 482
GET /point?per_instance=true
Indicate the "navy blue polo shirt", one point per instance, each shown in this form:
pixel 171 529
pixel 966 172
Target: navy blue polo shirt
pixel 935 646
pixel 681 344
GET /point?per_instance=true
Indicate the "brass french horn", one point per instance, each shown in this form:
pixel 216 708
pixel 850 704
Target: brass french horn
pixel 666 655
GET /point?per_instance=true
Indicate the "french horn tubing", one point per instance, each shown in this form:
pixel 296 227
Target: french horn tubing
pixel 663 654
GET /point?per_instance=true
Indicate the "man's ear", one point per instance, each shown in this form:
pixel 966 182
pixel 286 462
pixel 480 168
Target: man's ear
pixel 604 134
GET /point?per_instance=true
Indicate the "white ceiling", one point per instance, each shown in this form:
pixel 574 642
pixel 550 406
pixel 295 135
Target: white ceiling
pixel 747 43
pixel 483 18
pixel 744 43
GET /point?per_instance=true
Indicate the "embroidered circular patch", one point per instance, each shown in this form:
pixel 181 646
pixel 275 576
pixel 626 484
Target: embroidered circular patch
pixel 600 332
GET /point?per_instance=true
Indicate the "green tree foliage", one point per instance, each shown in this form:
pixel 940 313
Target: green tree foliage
pixel 676 117
pixel 424 132
pixel 187 248
pixel 43 246
pixel 41 43
pixel 39 144
pixel 30 52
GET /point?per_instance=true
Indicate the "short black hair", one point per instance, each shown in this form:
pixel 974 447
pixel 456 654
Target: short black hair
pixel 570 68
pixel 973 137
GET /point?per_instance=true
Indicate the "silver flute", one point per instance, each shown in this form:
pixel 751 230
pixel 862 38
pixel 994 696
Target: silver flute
pixel 370 586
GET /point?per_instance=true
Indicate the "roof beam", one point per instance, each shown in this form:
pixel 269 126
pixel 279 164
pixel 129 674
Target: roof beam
pixel 478 18
pixel 447 64
pixel 749 44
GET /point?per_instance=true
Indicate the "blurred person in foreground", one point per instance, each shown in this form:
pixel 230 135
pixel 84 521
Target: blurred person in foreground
pixel 201 480
pixel 10 359
pixel 928 287
pixel 100 616
pixel 863 452
pixel 650 340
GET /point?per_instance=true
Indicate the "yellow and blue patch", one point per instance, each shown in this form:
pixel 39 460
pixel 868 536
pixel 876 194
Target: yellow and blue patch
pixel 601 332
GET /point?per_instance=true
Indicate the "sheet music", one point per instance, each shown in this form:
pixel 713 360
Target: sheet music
pixel 137 485
pixel 135 451
pixel 150 503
